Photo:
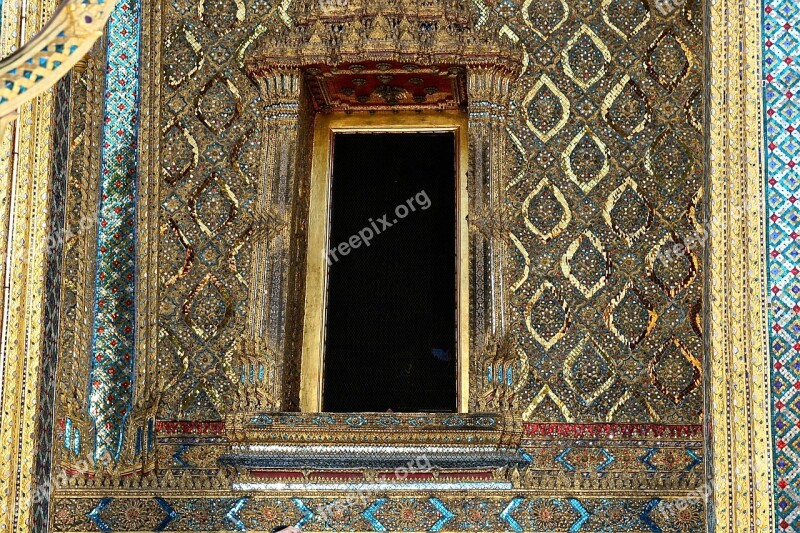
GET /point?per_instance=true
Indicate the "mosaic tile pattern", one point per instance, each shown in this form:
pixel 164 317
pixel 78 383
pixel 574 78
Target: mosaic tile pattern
pixel 606 272
pixel 434 512
pixel 607 136
pixel 111 379
pixel 781 53
pixel 211 162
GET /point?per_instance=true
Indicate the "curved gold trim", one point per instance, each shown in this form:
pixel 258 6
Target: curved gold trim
pixel 45 59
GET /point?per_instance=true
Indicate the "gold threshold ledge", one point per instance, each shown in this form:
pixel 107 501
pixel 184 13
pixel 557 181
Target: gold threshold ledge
pixel 430 429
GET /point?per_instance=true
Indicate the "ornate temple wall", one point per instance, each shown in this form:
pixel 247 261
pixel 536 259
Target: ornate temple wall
pixel 198 256
pixel 605 189
pixel 604 271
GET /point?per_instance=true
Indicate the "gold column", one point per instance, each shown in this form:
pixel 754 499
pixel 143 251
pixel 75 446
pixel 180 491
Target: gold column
pixel 51 41
pixel 738 414
pixel 24 197
pixel 270 332
pixel 80 250
pixel 488 90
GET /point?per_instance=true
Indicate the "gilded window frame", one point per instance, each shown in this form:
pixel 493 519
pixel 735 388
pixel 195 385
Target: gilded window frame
pixel 325 128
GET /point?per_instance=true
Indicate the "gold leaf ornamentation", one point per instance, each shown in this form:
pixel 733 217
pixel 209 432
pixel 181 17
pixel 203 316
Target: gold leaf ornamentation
pixel 540 104
pixel 630 317
pixel 542 16
pixel 626 17
pixel 590 272
pixel 589 371
pixel 546 202
pixel 585 67
pixel 547 316
pixel 625 108
pixel 675 371
pixel 580 160
pixel 627 212
pixel 545 394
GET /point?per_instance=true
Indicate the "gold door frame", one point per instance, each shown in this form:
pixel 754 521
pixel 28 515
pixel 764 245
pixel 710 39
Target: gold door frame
pixel 326 126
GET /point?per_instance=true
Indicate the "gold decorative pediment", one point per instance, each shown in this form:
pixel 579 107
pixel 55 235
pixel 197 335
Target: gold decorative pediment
pixel 376 56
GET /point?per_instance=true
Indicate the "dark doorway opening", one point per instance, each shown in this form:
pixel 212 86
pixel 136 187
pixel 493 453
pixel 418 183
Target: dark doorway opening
pixel 391 329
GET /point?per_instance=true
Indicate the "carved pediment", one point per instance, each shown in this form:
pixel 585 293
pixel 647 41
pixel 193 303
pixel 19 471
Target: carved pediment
pixel 378 55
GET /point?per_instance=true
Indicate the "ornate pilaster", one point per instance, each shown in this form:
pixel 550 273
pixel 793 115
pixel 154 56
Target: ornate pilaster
pixel 80 243
pixel 31 238
pixel 738 410
pixel 488 90
pixel 26 190
pixel 113 356
pixel 149 382
pixel 267 340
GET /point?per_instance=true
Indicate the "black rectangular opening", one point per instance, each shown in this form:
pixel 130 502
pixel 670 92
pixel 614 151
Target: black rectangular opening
pixel 390 331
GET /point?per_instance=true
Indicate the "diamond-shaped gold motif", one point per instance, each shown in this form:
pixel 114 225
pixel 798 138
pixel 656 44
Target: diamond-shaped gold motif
pixel 627 212
pixel 526 272
pixel 585 161
pixel 213 205
pixel 672 265
pixel 591 270
pixel 540 23
pixel 175 239
pixel 586 66
pixel 675 371
pixel 630 317
pixel 625 108
pixel 617 411
pixel 546 395
pixel 545 120
pixel 179 155
pixel 588 371
pixel 668 60
pixel 246 156
pixel 183 56
pixel 546 202
pixel 547 316
pixel 207 309
pixel 221 15
pixel 219 104
pixel 626 17
pixel 668 159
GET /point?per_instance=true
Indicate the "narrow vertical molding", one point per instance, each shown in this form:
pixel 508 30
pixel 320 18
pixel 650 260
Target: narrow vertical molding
pixel 11 18
pixel 148 381
pixel 51 318
pixel 113 358
pixel 488 91
pixel 22 320
pixel 780 46
pixel 80 253
pixel 264 343
pixel 739 380
pixel 24 197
